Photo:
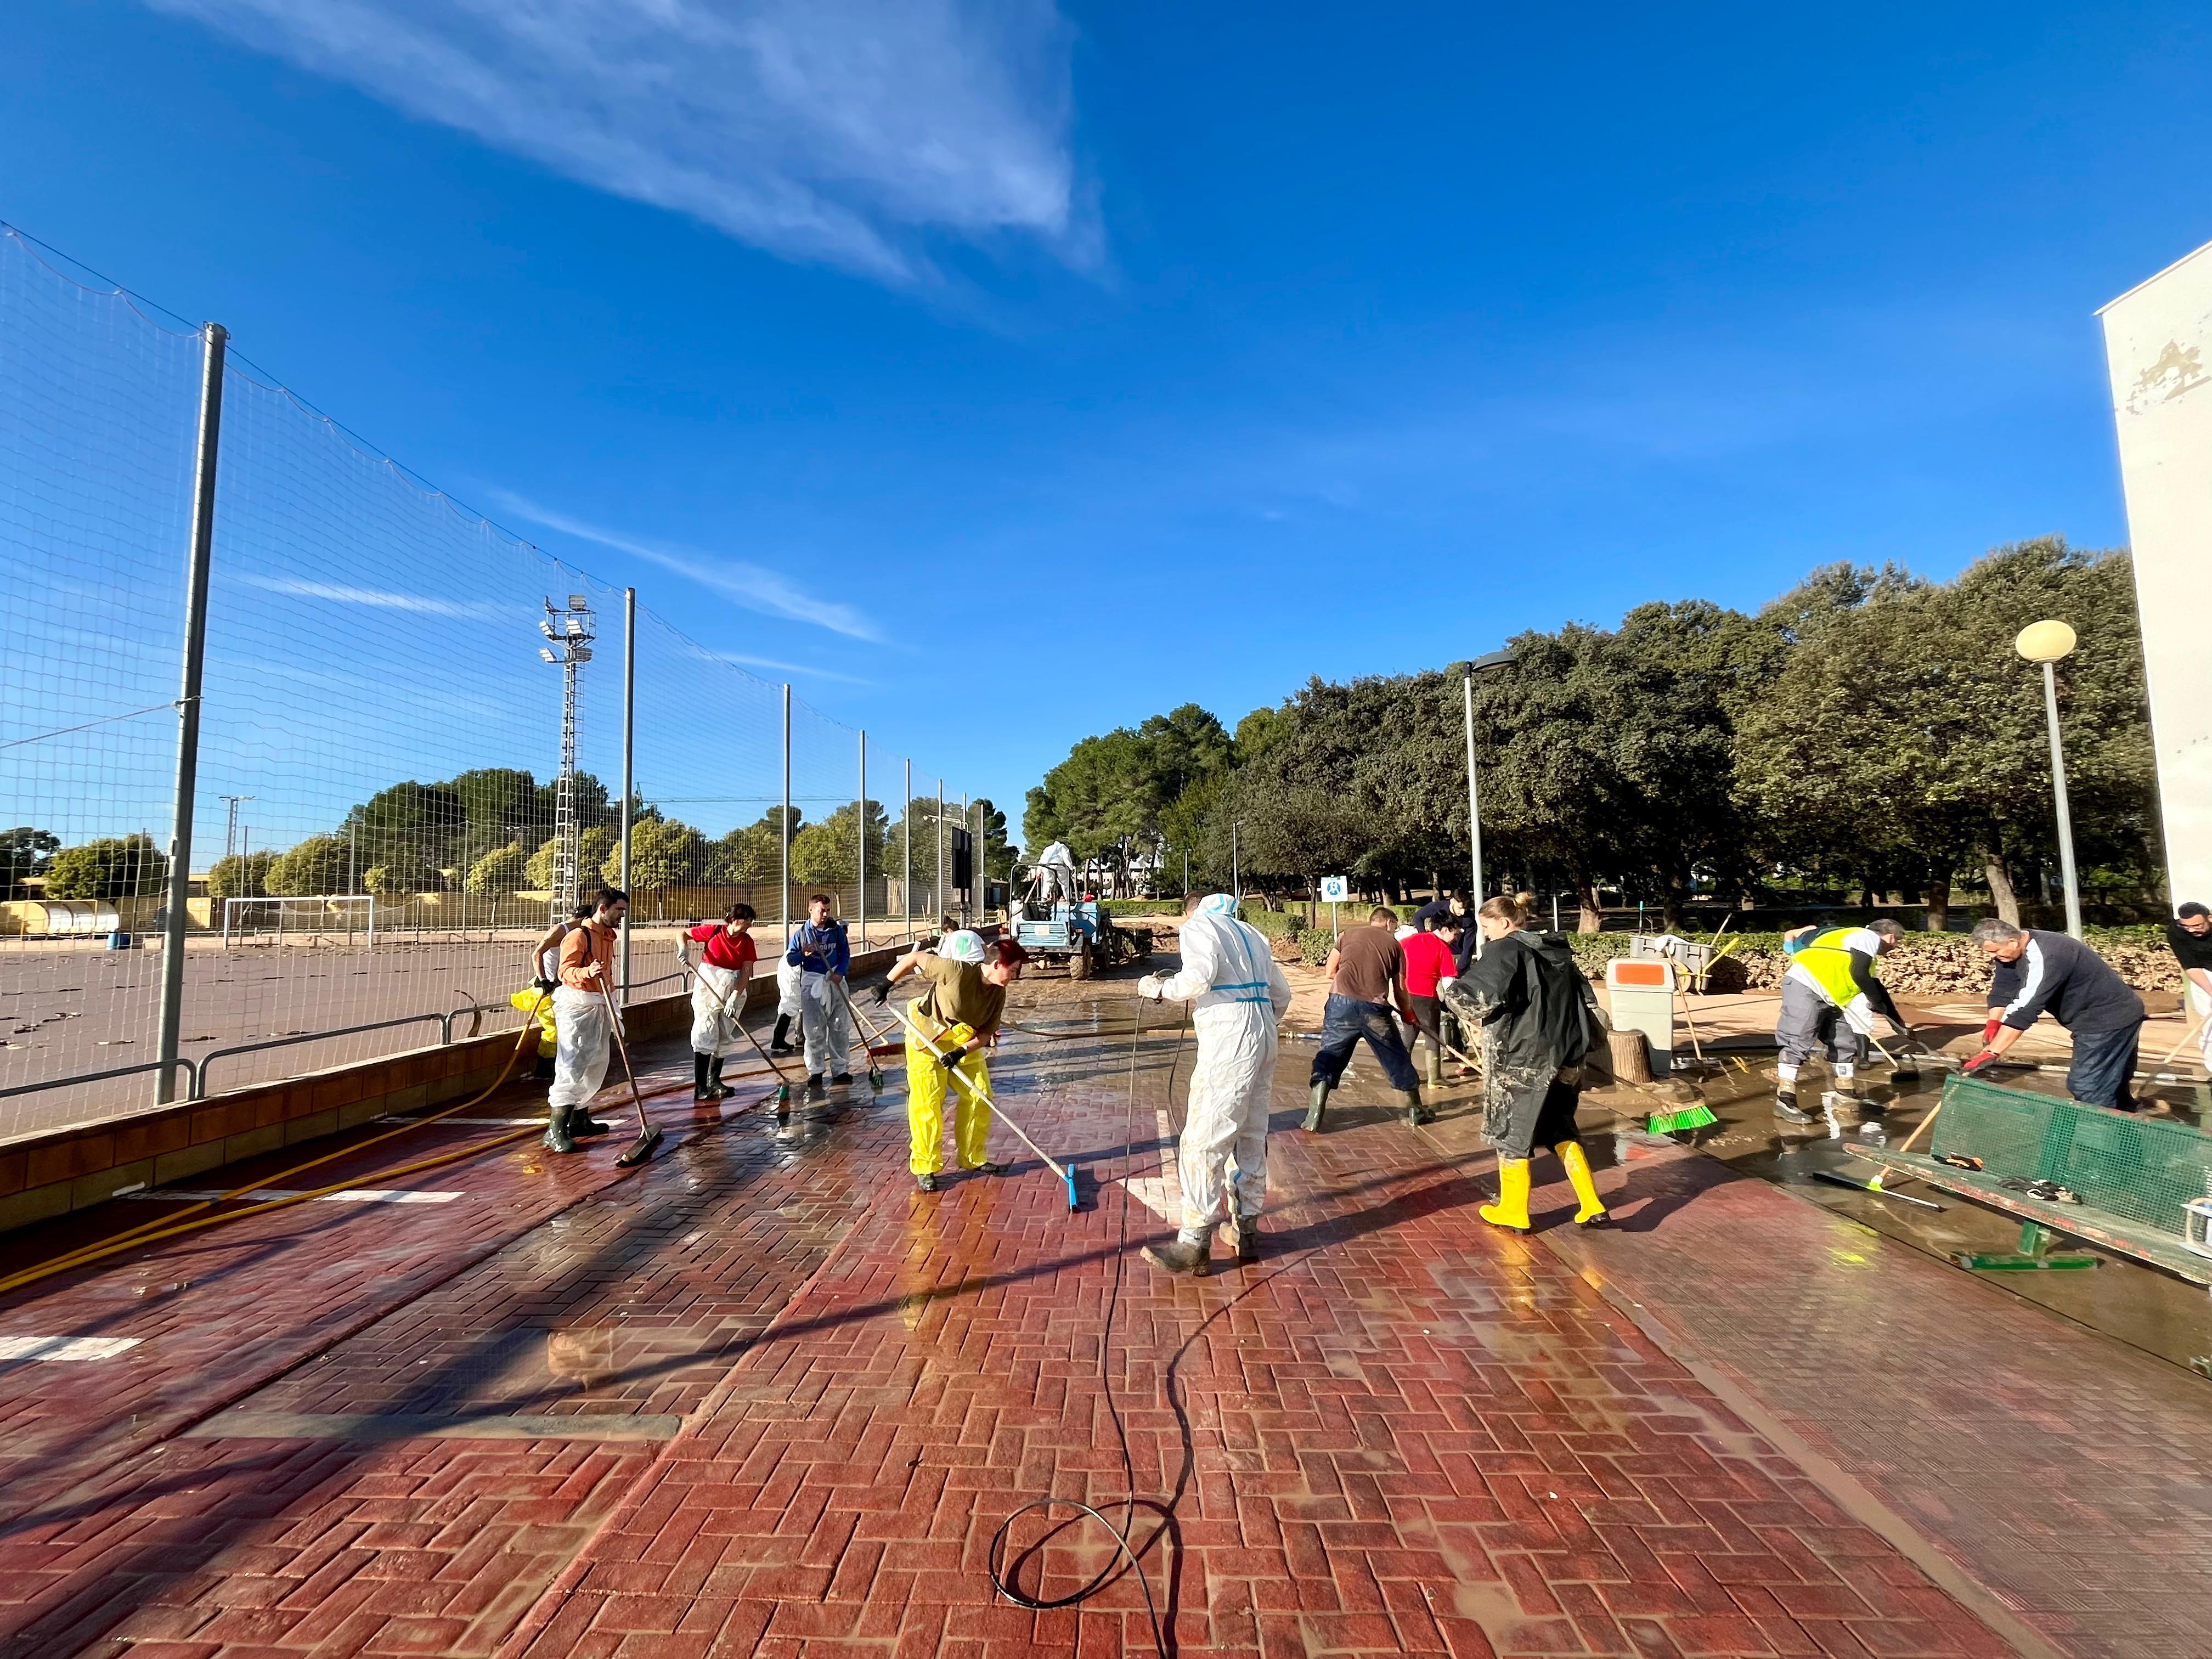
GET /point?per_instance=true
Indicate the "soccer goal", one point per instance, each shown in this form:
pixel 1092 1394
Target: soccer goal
pixel 310 921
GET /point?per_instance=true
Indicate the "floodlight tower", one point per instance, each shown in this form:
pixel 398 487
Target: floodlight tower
pixel 570 631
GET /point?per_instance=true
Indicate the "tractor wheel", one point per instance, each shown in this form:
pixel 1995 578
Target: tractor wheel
pixel 1078 965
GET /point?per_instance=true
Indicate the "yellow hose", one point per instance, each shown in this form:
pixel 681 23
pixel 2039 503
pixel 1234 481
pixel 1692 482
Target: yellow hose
pixel 146 1232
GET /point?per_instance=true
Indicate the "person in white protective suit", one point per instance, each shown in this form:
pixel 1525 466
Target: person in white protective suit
pixel 727 955
pixel 581 1018
pixel 1237 995
pixel 820 950
pixel 1053 874
pixel 789 1002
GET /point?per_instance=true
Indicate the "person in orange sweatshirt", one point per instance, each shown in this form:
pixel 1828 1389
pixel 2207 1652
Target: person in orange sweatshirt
pixel 580 1016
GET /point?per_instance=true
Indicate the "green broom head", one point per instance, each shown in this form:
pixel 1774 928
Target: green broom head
pixel 1682 1118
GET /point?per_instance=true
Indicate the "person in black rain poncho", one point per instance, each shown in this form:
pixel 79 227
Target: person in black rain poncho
pixel 1537 1018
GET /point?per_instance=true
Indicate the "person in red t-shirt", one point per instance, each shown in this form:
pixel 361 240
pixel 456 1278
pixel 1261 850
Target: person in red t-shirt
pixel 1429 960
pixel 727 955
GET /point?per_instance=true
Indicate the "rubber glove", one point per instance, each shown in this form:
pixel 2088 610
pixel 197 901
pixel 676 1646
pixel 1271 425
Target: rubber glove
pixel 1979 1063
pixel 883 992
pixel 952 1057
pixel 546 985
pixel 1990 1031
pixel 1149 988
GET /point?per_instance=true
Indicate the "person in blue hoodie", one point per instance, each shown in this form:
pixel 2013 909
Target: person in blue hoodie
pixel 823 955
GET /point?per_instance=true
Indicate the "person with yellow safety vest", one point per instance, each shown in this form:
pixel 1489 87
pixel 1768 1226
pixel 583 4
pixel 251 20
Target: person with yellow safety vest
pixel 1830 997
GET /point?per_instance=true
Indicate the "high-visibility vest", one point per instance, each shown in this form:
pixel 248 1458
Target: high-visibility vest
pixel 1823 957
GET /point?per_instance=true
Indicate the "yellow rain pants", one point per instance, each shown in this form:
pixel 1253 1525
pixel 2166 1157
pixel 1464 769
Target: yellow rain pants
pixel 926 1087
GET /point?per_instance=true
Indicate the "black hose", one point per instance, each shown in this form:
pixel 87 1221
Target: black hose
pixel 1002 1577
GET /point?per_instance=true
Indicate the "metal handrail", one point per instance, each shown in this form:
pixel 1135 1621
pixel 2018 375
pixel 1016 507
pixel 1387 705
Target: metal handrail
pixel 444 1022
pixel 192 1070
pixel 196 1071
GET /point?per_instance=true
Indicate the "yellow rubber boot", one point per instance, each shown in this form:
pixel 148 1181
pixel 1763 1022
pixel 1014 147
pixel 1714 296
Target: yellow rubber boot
pixel 1511 1209
pixel 1592 1212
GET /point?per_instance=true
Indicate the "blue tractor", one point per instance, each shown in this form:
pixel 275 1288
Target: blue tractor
pixel 1055 920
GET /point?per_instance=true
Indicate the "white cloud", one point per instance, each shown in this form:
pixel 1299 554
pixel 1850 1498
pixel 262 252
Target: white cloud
pixel 746 585
pixel 378 599
pixel 837 131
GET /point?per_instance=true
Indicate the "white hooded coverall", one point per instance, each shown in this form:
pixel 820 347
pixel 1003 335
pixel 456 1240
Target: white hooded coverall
pixel 581 1033
pixel 1238 994
pixel 718 998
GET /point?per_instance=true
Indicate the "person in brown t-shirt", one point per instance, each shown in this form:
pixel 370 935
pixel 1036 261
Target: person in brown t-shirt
pixel 1366 983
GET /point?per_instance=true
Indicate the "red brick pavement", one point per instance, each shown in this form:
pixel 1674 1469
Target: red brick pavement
pixel 101 1507
pixel 1402 1432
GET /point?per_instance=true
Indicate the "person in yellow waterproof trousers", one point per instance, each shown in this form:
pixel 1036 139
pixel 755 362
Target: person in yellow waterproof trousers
pixel 967 983
pixel 1537 1018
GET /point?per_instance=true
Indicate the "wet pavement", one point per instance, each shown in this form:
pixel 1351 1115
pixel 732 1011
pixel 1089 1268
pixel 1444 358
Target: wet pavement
pixel 762 1395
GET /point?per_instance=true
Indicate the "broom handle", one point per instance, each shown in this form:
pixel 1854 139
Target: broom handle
pixel 614 1019
pixel 977 1095
pixel 2194 1025
pixel 739 1020
pixel 1922 1128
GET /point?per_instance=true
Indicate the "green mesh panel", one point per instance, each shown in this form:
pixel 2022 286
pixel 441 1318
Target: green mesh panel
pixel 2141 1169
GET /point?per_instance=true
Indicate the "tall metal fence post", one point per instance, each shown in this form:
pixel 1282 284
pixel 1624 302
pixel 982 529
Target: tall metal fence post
pixel 629 778
pixel 940 849
pixel 906 855
pixel 983 870
pixel 861 898
pixel 783 830
pixel 216 339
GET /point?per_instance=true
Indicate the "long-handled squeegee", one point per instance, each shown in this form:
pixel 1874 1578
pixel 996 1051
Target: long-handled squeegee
pixel 1064 1171
pixel 648 1134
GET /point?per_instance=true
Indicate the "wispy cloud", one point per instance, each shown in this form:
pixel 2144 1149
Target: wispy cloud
pixel 844 132
pixel 747 585
pixel 380 598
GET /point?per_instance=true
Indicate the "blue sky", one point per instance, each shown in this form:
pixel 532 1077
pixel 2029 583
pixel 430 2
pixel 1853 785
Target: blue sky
pixel 1115 356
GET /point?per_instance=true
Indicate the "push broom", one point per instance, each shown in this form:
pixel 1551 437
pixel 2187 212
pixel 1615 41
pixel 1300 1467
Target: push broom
pixel 1064 1171
pixel 648 1134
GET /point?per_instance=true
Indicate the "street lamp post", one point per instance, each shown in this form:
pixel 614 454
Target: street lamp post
pixel 1495 660
pixel 2048 643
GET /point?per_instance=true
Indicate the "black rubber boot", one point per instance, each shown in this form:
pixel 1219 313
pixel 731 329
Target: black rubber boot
pixel 814 1089
pixel 699 1086
pixel 715 1087
pixel 582 1124
pixel 1316 1107
pixel 780 1042
pixel 544 1068
pixel 556 1131
pixel 1415 1112
pixel 1248 1238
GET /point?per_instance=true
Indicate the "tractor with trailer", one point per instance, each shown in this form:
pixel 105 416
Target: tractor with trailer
pixel 1056 919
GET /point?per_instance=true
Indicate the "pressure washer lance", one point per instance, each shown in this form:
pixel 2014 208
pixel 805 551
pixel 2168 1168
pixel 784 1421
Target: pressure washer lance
pixel 648 1133
pixel 960 1034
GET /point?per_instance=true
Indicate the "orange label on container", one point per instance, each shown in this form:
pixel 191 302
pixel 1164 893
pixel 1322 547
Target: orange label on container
pixel 1641 973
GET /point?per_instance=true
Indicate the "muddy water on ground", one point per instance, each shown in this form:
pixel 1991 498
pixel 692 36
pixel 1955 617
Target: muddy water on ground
pixel 2122 1298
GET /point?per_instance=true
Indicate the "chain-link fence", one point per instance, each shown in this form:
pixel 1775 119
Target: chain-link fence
pixel 412 735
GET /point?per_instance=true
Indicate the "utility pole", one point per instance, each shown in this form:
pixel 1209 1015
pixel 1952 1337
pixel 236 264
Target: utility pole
pixel 630 781
pixel 783 830
pixel 861 898
pixel 569 632
pixel 940 850
pixel 906 854
pixel 214 340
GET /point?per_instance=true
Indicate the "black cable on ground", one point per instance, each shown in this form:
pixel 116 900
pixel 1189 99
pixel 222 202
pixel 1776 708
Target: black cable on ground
pixel 1002 1578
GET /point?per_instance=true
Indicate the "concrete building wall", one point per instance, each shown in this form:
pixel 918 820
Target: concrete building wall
pixel 2158 345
